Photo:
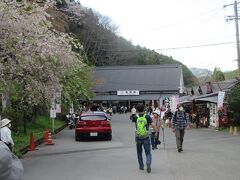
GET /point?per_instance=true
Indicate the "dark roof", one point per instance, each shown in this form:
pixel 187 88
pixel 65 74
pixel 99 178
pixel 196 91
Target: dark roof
pixel 216 86
pixel 212 97
pixel 140 77
pixel 224 85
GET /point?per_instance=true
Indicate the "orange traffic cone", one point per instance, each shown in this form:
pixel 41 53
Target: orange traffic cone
pixel 48 140
pixel 32 146
pixel 46 136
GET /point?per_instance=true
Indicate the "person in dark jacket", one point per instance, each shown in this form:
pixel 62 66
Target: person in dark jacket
pixel 197 119
pixel 179 123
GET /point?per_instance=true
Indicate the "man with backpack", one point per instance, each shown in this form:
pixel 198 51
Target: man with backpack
pixel 179 123
pixel 142 122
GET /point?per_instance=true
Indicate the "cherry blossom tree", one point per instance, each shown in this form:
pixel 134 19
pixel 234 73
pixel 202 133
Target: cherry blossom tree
pixel 35 59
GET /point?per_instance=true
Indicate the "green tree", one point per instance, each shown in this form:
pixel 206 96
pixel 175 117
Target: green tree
pixel 231 74
pixel 233 99
pixel 218 74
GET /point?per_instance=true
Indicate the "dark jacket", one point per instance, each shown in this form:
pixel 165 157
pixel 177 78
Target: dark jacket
pixel 180 120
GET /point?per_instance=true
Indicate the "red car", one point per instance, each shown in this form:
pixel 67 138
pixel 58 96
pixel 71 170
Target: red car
pixel 93 124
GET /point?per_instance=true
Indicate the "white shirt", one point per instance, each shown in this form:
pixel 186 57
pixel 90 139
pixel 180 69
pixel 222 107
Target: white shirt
pixel 6 135
pixel 133 111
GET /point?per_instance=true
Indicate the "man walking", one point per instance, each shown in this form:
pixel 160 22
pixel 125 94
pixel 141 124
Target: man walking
pixel 179 123
pixel 142 123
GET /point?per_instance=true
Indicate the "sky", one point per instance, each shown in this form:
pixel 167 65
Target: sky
pixel 168 25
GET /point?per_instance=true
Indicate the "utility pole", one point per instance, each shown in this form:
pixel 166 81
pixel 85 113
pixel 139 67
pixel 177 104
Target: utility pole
pixel 235 17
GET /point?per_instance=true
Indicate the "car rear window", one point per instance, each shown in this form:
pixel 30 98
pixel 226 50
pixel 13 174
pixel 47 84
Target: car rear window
pixel 86 118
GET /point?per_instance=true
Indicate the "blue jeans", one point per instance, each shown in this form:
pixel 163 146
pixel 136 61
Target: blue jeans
pixel 147 147
pixel 154 139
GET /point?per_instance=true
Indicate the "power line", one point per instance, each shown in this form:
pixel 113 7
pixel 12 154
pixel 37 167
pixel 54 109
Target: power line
pixel 174 48
pixel 196 46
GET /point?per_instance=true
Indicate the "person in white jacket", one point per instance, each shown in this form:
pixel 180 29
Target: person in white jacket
pixel 6 135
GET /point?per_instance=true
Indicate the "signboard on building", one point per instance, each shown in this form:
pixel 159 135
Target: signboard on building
pixel 213 114
pixel 174 101
pixel 128 93
pixel 221 96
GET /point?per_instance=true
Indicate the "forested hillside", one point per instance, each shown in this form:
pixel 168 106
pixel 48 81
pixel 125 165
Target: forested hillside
pixel 199 72
pixel 230 74
pixel 104 47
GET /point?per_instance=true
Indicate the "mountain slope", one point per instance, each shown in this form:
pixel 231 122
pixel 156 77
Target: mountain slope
pixel 199 72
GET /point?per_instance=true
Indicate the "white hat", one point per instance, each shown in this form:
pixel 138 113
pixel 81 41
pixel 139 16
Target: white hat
pixel 156 112
pixel 10 166
pixel 5 122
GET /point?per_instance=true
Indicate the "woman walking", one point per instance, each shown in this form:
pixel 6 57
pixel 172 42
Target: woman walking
pixel 155 129
pixel 6 136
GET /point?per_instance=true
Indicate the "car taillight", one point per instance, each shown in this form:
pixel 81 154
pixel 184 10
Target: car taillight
pixel 81 123
pixel 105 123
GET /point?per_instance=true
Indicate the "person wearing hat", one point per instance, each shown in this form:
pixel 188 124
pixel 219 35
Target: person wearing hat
pixel 6 135
pixel 10 166
pixel 155 129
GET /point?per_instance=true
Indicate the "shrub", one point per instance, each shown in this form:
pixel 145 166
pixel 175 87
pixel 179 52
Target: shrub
pixel 233 100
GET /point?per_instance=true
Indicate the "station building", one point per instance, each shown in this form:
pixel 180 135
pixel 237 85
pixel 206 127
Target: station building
pixel 129 85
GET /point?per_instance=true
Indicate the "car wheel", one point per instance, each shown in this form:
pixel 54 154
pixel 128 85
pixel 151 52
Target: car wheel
pixel 77 138
pixel 109 137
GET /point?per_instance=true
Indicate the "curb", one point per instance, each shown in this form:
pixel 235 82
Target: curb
pixel 40 141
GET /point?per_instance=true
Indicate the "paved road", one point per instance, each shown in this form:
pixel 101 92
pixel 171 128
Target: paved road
pixel 207 155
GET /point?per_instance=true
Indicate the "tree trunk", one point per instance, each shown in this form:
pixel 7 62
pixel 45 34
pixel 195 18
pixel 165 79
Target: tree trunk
pixel 25 122
pixel 34 117
pixel 6 97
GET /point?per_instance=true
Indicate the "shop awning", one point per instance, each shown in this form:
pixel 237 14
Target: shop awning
pixel 186 99
pixel 213 99
pixel 125 98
